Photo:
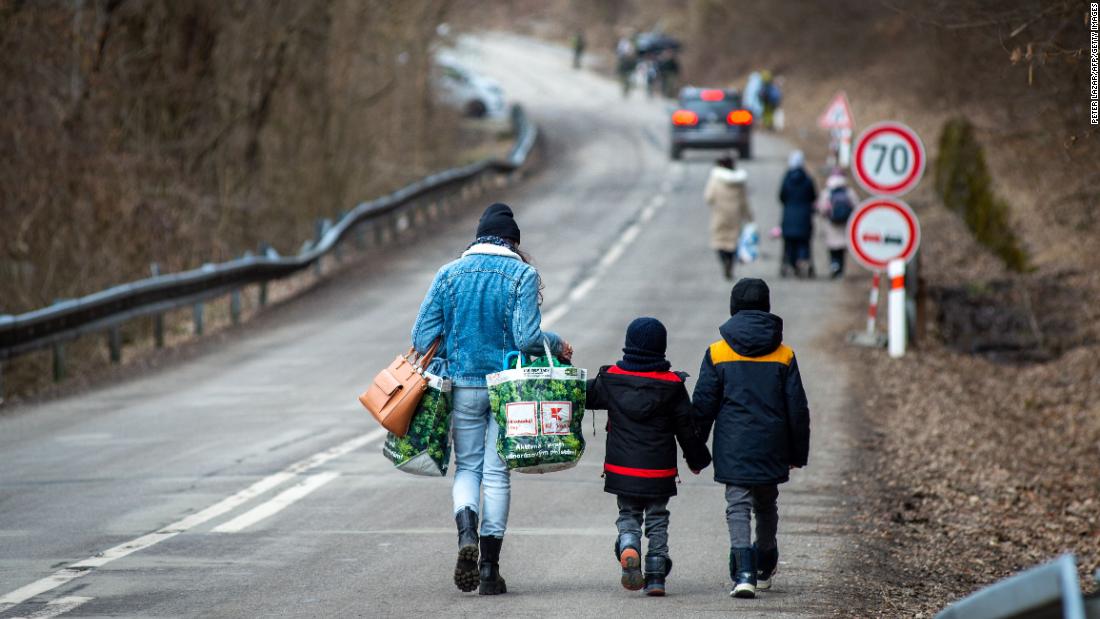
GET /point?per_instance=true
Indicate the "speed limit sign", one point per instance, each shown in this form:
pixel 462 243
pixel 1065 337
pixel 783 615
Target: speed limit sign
pixel 889 159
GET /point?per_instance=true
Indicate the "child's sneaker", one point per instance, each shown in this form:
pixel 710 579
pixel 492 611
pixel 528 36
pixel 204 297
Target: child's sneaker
pixel 743 572
pixel 656 568
pixel 628 552
pixel 767 563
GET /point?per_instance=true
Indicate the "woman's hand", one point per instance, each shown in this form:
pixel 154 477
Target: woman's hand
pixel 566 354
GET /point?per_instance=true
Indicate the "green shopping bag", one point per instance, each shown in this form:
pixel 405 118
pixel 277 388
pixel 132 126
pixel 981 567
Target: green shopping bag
pixel 426 448
pixel 538 408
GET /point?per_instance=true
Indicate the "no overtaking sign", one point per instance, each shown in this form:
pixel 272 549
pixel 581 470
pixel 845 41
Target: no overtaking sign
pixel 883 229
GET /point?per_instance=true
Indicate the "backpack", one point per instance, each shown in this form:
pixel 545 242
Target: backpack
pixel 840 206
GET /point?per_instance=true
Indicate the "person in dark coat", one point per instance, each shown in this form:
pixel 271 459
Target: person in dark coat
pixel 750 391
pixel 648 410
pixel 798 195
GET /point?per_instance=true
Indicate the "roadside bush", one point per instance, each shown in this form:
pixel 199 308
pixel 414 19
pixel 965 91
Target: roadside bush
pixel 964 185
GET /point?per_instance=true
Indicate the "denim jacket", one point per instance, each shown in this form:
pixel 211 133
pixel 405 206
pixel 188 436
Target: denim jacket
pixel 484 305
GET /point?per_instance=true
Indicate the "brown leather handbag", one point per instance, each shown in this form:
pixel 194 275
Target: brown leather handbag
pixel 396 391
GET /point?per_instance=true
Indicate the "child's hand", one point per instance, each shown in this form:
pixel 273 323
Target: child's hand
pixel 793 467
pixel 566 354
pixel 694 472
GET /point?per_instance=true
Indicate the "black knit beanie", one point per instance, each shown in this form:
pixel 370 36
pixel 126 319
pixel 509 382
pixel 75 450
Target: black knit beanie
pixel 750 293
pixel 646 340
pixel 497 220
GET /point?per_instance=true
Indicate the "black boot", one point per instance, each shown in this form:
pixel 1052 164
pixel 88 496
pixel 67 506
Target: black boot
pixel 491 582
pixel 743 572
pixel 466 576
pixel 766 564
pixel 628 550
pixel 656 569
pixel 726 259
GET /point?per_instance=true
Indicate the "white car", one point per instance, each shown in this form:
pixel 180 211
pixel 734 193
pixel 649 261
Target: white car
pixel 476 95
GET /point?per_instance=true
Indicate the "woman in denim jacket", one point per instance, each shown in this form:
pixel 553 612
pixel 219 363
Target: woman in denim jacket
pixel 482 305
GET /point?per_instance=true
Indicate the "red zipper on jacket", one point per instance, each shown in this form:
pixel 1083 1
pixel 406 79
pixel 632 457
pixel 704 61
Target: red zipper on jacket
pixel 633 472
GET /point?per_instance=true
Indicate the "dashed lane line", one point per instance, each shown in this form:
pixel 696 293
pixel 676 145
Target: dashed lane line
pixel 277 504
pixel 60 606
pixel 610 257
pixel 81 568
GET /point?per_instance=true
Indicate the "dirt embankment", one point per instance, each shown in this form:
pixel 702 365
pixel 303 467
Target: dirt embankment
pixel 982 449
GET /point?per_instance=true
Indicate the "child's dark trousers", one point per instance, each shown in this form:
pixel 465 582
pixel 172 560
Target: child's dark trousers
pixel 653 512
pixel 741 502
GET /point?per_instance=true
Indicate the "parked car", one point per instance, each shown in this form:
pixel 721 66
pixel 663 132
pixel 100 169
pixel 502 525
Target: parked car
pixel 476 95
pixel 710 118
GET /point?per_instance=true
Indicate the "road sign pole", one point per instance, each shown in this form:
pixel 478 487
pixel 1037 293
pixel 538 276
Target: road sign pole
pixel 872 307
pixel 844 150
pixel 896 315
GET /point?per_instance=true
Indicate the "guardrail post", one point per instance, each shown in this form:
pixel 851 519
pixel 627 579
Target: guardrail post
pixel 319 231
pixel 114 343
pixel 58 363
pixel 338 250
pixel 235 307
pixel 265 252
pixel 360 237
pixel 400 222
pixel 158 320
pixel 197 314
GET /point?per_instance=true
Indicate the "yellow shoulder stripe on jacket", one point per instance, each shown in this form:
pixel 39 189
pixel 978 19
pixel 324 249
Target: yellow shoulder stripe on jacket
pixel 720 352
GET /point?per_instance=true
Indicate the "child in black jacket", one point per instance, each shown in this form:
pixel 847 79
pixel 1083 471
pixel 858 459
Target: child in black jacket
pixel 750 390
pixel 648 411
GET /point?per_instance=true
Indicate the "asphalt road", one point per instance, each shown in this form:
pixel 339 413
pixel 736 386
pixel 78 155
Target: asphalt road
pixel 248 481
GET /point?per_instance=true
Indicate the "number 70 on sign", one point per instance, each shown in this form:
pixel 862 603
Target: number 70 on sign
pixel 889 159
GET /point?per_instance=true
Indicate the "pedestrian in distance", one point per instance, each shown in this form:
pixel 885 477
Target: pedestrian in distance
pixel 625 62
pixel 750 391
pixel 797 194
pixel 491 284
pixel 726 195
pixel 579 44
pixel 771 97
pixel 648 411
pixel 836 205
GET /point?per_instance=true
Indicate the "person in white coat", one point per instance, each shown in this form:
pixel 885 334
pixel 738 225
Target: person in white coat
pixel 728 199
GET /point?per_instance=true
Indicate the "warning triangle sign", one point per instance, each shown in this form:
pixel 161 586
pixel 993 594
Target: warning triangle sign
pixel 838 115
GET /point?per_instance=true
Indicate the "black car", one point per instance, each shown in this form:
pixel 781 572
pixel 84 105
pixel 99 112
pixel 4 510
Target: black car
pixel 711 118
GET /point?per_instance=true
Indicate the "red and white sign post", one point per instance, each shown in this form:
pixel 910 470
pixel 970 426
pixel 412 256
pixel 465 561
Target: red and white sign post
pixel 880 232
pixel 896 318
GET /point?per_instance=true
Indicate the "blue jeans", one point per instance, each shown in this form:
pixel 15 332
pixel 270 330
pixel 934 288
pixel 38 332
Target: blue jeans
pixel 477 464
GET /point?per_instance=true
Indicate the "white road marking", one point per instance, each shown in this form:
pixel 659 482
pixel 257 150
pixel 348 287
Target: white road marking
pixel 80 568
pixel 273 506
pixel 526 531
pixel 610 257
pixel 60 606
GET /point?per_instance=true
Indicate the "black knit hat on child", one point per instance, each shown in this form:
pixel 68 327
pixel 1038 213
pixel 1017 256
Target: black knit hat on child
pixel 750 293
pixel 646 340
pixel 498 220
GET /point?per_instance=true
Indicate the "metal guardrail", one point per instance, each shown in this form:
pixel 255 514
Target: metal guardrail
pixel 1047 591
pixel 107 309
